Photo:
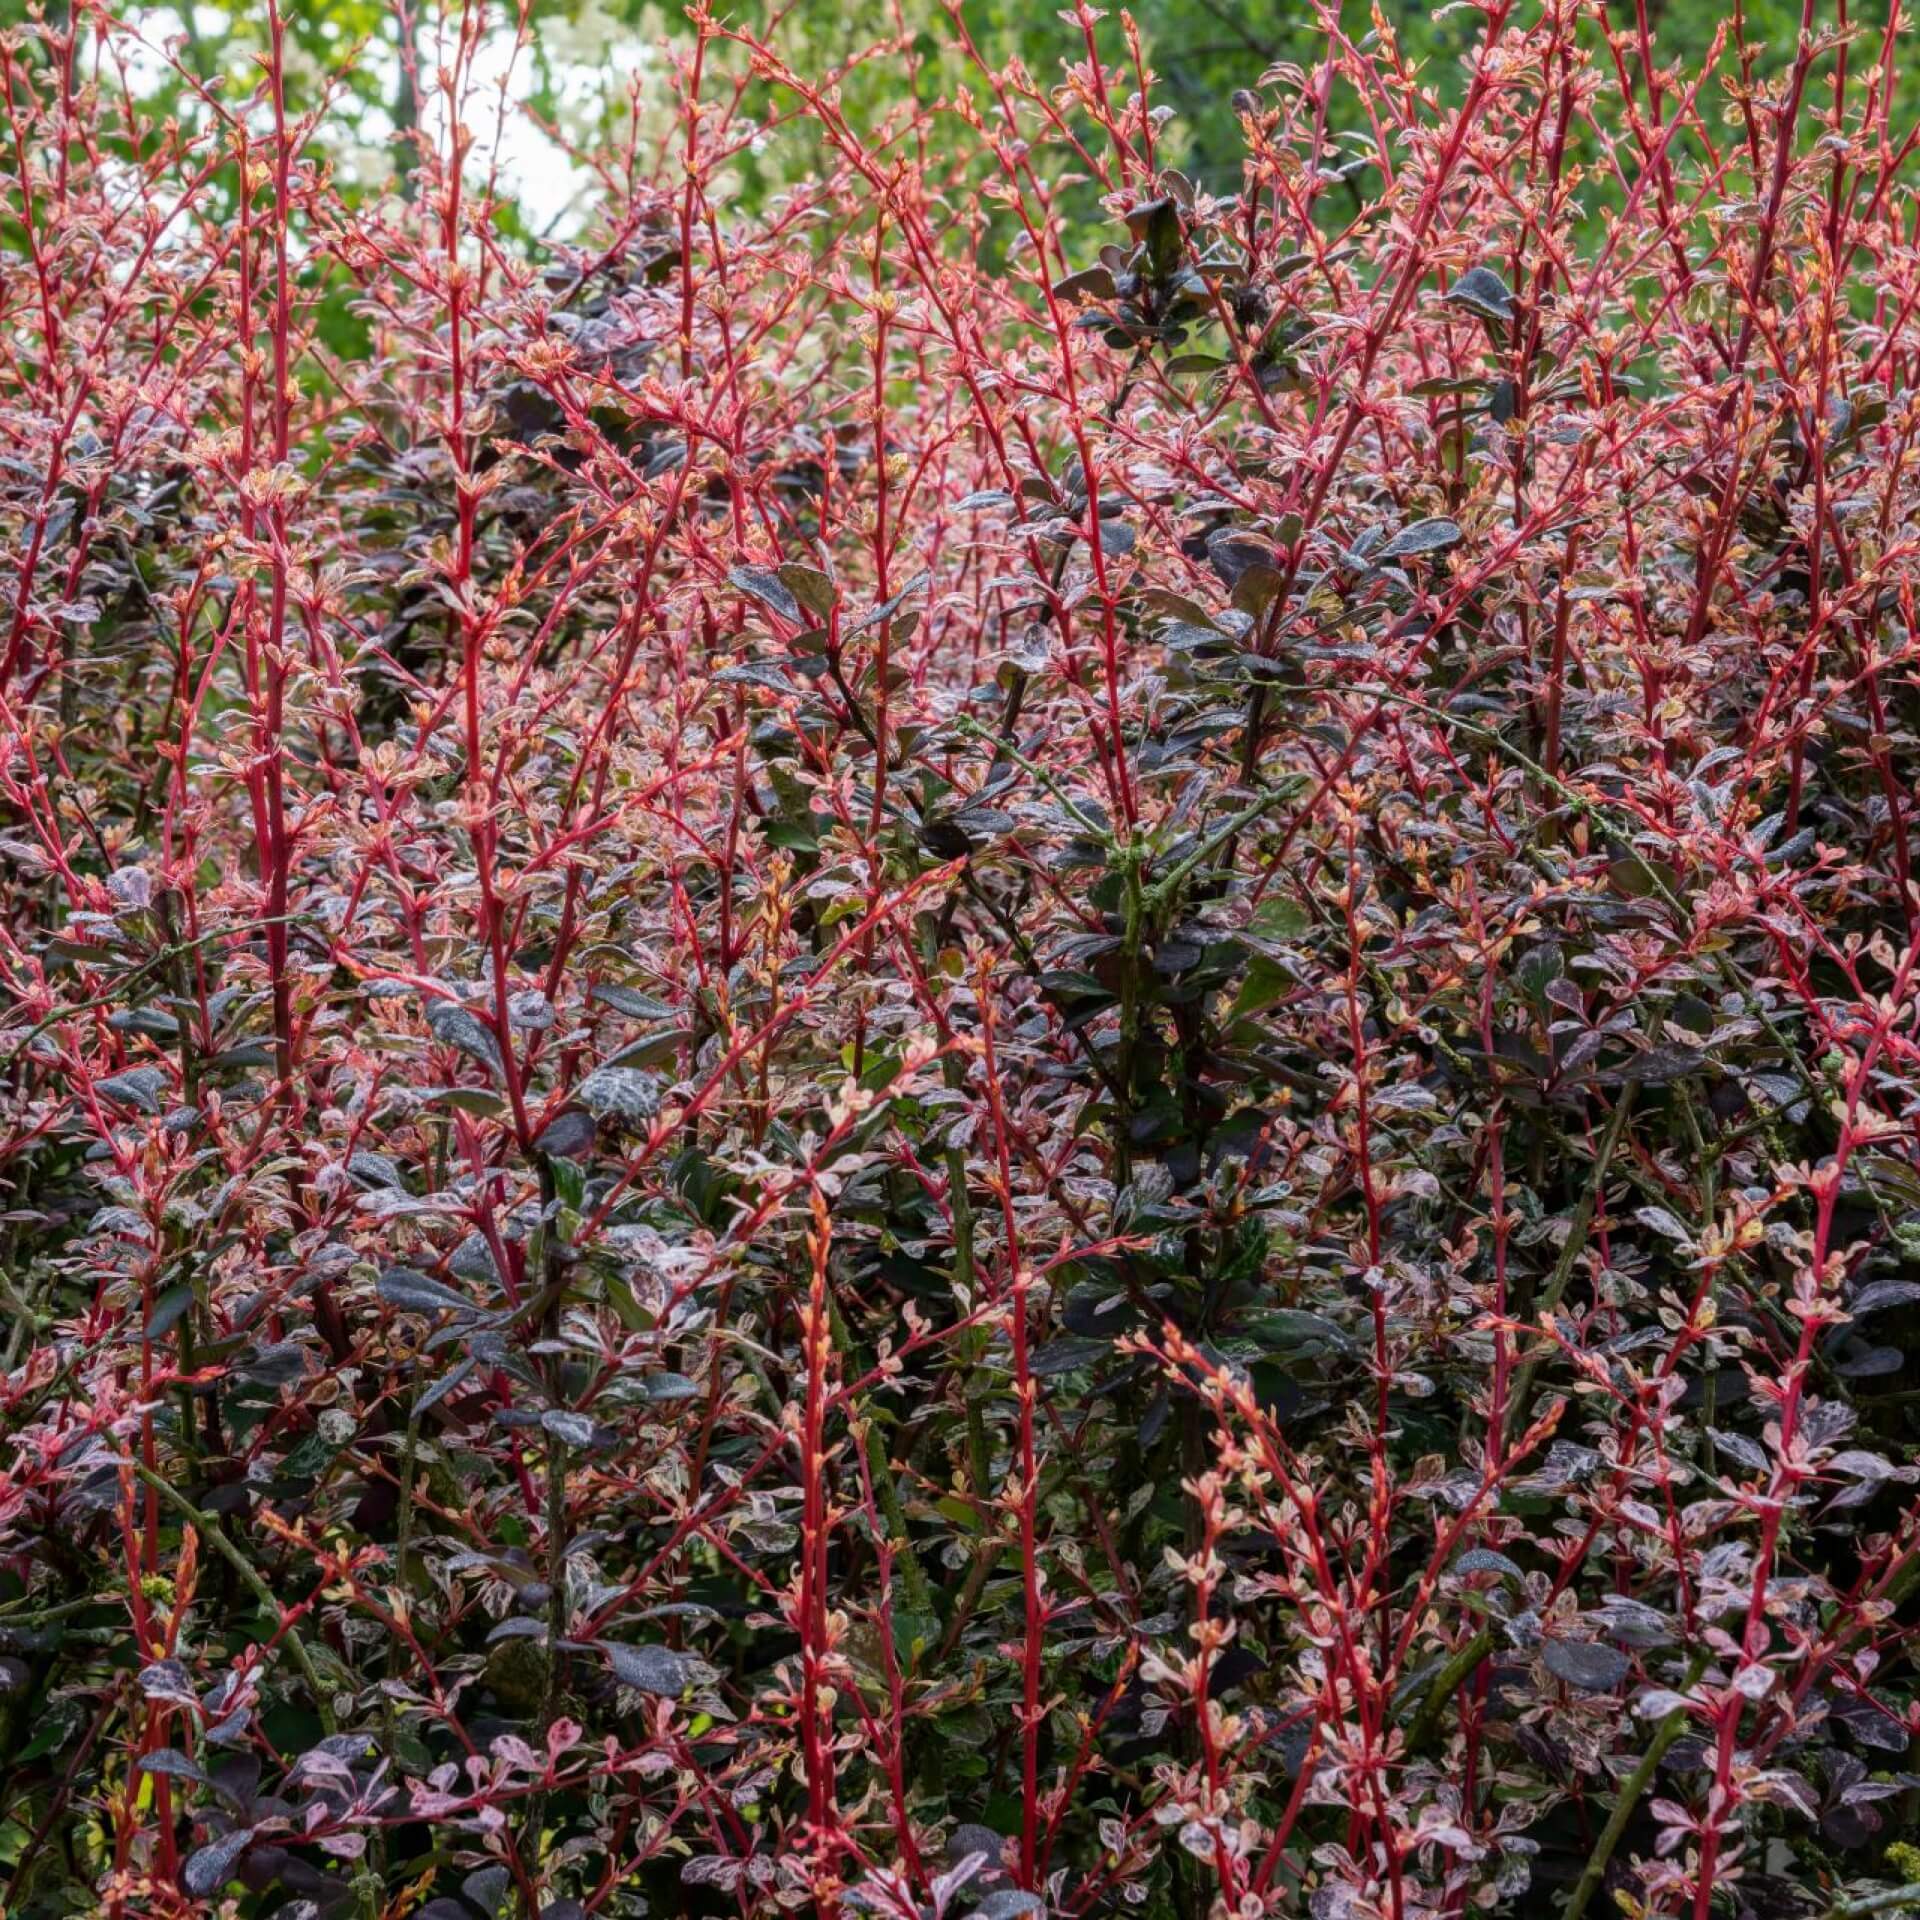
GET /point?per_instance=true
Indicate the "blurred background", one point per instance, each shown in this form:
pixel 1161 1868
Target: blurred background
pixel 581 71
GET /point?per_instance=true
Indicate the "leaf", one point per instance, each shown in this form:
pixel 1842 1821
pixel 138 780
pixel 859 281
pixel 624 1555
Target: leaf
pixel 1231 551
pixel 772 592
pixel 1067 1355
pixel 1665 1224
pixel 1877 1295
pixel 811 588
pixel 1090 283
pixel 466 1100
pixel 1279 919
pixel 1265 983
pixel 1009 1903
pixel 1661 1066
pixel 668 1387
pixel 1156 224
pixel 414 1292
pixel 1480 290
pixel 887 608
pixel 568 1136
pixel 635 1005
pixel 488 1889
pixel 376 1170
pixel 139 1087
pixel 1485 1560
pixel 446 1384
pixel 1178 609
pixel 659 1670
pixel 1256 589
pixel 1857 1463
pixel 169 1310
pixel 250 1053
pixel 531 1011
pixel 1748 1452
pixel 576 1429
pixel 754 673
pixel 210 1868
pixel 1297 1329
pixel 57 1727
pixel 1657 1702
pixel 278 1365
pixel 168 1680
pixel 1586 1665
pixel 455 1027
pixel 155 1023
pixel 622 1093
pixel 1873 1723
pixel 1423 537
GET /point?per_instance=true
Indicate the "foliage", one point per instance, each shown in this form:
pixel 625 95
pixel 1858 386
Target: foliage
pixel 976 1038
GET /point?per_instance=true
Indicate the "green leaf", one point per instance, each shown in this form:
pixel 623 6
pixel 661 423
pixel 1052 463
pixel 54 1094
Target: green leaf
pixel 1265 983
pixel 475 1100
pixel 811 588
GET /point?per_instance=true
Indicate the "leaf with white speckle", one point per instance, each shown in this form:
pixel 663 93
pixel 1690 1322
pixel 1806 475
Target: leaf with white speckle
pixel 1423 537
pixel 659 1670
pixel 619 1093
pixel 457 1028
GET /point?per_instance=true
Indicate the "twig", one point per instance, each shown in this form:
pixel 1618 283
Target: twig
pixel 211 1531
pixel 1628 1798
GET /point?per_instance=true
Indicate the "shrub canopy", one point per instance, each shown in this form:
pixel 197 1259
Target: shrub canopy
pixel 984 1040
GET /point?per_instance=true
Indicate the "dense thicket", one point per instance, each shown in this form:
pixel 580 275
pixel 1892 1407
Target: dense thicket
pixel 986 1041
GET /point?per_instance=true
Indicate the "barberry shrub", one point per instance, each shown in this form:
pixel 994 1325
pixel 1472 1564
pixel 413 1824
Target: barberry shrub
pixel 996 1037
